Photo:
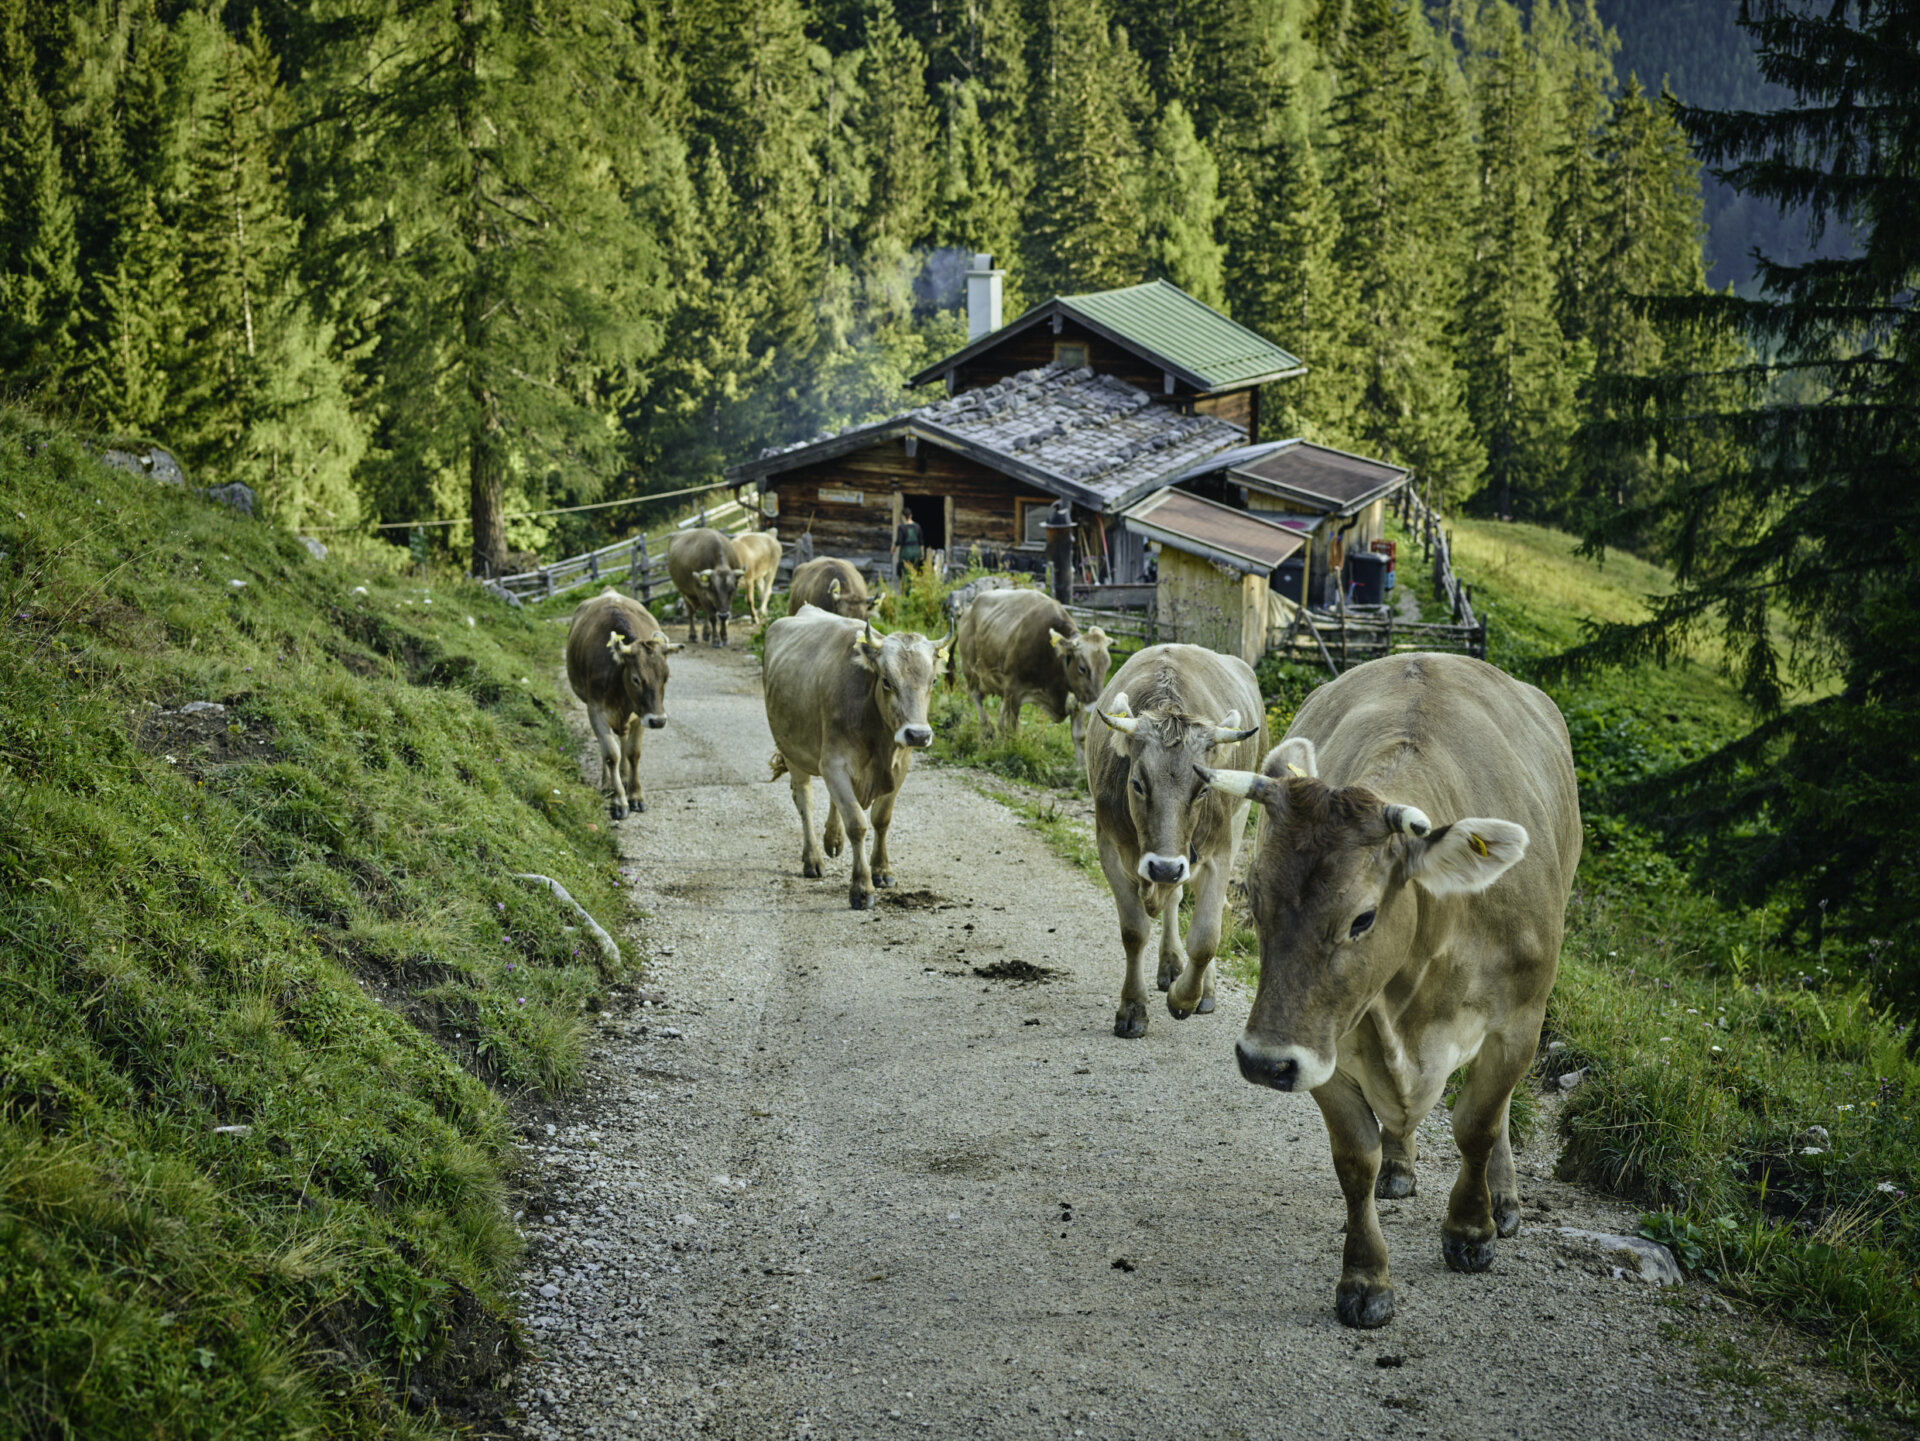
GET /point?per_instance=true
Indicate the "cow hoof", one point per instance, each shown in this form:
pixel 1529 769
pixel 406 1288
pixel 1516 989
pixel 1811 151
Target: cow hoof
pixel 812 870
pixel 1396 1182
pixel 1506 1215
pixel 639 805
pixel 1164 981
pixel 1130 1021
pixel 1176 1012
pixel 833 848
pixel 616 812
pixel 883 879
pixel 1205 1008
pixel 860 900
pixel 1362 1306
pixel 1465 1255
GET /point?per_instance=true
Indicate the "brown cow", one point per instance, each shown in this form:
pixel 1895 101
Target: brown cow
pixel 833 585
pixel 1021 645
pixel 705 569
pixel 1157 825
pixel 759 552
pixel 850 707
pixel 617 664
pixel 1394 950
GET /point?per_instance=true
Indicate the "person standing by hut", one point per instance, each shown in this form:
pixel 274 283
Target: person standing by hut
pixel 908 547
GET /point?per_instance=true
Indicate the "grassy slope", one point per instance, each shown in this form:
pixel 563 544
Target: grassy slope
pixel 1710 1051
pixel 267 976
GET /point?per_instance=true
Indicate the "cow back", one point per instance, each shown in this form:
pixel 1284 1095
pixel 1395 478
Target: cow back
pixel 759 553
pixel 813 585
pixel 1004 641
pixel 1456 737
pixel 692 551
pixel 816 692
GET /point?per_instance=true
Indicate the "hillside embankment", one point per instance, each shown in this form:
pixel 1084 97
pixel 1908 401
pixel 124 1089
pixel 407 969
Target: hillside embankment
pixel 871 1175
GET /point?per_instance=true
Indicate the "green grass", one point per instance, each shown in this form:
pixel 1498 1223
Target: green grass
pixel 268 977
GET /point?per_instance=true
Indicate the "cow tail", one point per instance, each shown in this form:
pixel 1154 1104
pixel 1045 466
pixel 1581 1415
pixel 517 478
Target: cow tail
pixel 776 763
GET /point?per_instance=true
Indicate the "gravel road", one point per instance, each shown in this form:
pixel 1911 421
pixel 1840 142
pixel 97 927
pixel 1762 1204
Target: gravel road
pixel 839 1183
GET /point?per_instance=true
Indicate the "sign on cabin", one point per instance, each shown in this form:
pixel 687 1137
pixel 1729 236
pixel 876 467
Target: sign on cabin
pixel 844 497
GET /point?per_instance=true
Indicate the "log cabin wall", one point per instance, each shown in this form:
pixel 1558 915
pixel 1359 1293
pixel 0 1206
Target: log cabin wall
pixel 978 503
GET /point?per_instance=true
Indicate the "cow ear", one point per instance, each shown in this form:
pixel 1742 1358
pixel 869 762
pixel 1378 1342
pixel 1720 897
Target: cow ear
pixel 833 587
pixel 1096 636
pixel 1294 756
pixel 866 649
pixel 1121 717
pixel 1060 642
pixel 674 647
pixel 706 574
pixel 1246 785
pixel 1465 857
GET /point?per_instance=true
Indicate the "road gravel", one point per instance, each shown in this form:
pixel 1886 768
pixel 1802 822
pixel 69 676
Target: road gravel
pixel 853 1176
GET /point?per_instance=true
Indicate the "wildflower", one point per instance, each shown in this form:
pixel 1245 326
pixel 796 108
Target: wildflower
pixel 1847 1107
pixel 523 1000
pixel 1886 1186
pixel 509 967
pixel 500 905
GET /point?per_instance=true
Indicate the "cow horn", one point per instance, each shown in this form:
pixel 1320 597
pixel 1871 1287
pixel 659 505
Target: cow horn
pixel 1121 717
pixel 619 645
pixel 1408 820
pixel 1246 785
pixel 833 588
pixel 946 641
pixel 1229 730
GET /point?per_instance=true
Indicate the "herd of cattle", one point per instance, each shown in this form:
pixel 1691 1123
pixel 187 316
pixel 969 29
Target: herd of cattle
pixel 1393 948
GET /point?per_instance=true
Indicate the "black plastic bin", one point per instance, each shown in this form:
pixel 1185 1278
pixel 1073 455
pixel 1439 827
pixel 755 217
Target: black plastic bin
pixel 1366 574
pixel 1285 580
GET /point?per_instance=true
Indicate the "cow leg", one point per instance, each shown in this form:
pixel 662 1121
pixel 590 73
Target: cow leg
pixel 609 760
pixel 1173 959
pixel 854 817
pixel 630 763
pixel 980 704
pixel 813 865
pixel 836 834
pixel 694 617
pixel 1130 1021
pixel 1079 729
pixel 1193 989
pixel 721 626
pixel 1396 1165
pixel 1485 1200
pixel 882 814
pixel 1364 1297
pixel 1010 708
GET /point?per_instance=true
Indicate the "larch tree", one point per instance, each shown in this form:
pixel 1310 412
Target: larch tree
pixel 483 152
pixel 1180 209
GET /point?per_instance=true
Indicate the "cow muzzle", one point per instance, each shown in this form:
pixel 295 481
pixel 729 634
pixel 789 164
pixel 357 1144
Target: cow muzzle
pixel 1284 1068
pixel 916 737
pixel 1164 870
pixel 655 722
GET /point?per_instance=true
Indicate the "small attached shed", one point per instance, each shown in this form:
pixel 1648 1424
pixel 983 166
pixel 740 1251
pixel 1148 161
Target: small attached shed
pixel 1337 499
pixel 1216 566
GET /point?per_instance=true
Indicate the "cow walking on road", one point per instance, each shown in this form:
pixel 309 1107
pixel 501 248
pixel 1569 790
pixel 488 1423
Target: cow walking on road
pixel 705 569
pixel 1394 948
pixel 1021 645
pixel 851 708
pixel 833 585
pixel 1171 708
pixel 759 552
pixel 617 665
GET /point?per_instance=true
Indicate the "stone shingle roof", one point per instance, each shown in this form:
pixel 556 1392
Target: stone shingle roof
pixel 1091 438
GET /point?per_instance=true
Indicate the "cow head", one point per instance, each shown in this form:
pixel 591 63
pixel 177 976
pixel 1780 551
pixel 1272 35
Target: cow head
pixel 643 674
pixel 903 667
pixel 853 607
pixel 1083 660
pixel 719 582
pixel 1164 780
pixel 1330 891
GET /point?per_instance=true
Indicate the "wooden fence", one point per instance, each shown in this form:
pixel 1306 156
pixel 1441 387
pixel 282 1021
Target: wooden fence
pixel 1344 637
pixel 639 562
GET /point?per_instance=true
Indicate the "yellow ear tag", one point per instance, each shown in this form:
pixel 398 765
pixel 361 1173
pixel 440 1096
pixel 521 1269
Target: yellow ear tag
pixel 1296 770
pixel 1479 846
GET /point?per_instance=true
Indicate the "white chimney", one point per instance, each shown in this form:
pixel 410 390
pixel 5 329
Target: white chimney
pixel 983 297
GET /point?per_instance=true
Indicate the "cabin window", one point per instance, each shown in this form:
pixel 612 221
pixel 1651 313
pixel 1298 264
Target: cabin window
pixel 1070 353
pixel 1033 521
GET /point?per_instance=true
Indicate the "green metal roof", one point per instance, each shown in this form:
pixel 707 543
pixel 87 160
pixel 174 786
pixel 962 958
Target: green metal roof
pixel 1159 322
pixel 1165 321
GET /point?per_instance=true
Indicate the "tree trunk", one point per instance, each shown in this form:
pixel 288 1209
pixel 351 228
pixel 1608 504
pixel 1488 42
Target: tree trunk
pixel 487 470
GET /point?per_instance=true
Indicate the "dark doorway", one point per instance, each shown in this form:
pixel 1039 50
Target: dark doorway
pixel 931 513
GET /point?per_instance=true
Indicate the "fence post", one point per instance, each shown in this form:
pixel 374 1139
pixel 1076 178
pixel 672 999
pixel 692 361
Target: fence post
pixel 549 578
pixel 646 570
pixel 593 566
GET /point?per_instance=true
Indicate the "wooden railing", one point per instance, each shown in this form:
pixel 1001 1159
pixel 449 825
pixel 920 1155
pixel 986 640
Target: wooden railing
pixel 1341 638
pixel 639 562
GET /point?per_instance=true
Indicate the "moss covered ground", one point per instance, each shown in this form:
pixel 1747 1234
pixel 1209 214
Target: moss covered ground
pixel 272 995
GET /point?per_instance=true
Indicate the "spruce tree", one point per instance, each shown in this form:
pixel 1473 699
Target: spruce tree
pixel 898 127
pixel 1812 514
pixel 492 157
pixel 39 253
pixel 1083 221
pixel 1519 387
pixel 1180 209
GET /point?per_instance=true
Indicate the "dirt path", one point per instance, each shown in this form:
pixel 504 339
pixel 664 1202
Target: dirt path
pixel 841 1185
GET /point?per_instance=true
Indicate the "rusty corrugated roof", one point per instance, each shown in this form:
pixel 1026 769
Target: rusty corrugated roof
pixel 1203 527
pixel 1319 477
